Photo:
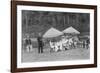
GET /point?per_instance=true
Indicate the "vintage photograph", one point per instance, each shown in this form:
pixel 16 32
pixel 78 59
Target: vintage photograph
pixel 54 36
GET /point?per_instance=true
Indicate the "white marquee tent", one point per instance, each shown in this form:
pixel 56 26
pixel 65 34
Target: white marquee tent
pixel 52 32
pixel 71 30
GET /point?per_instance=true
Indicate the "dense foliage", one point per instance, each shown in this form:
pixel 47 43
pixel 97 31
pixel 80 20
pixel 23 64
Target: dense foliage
pixel 40 21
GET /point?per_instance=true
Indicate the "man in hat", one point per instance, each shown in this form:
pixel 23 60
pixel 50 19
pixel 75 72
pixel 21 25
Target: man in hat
pixel 40 44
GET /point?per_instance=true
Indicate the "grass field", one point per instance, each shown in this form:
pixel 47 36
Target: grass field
pixel 71 54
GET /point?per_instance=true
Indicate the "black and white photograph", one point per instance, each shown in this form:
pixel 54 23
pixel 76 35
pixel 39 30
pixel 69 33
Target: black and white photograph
pixel 55 36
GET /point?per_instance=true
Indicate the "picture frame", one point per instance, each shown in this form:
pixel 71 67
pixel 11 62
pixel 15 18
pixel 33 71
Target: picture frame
pixel 18 6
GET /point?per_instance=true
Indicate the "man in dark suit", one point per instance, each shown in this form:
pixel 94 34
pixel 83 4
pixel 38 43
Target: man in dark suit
pixel 40 44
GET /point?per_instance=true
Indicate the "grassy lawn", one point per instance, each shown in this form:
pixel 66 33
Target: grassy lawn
pixel 71 54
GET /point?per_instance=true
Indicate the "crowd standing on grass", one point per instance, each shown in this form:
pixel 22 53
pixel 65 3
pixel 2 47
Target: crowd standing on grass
pixel 65 43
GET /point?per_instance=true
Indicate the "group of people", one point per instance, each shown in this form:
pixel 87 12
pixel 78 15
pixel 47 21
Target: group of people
pixel 63 44
pixel 28 43
pixel 86 44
